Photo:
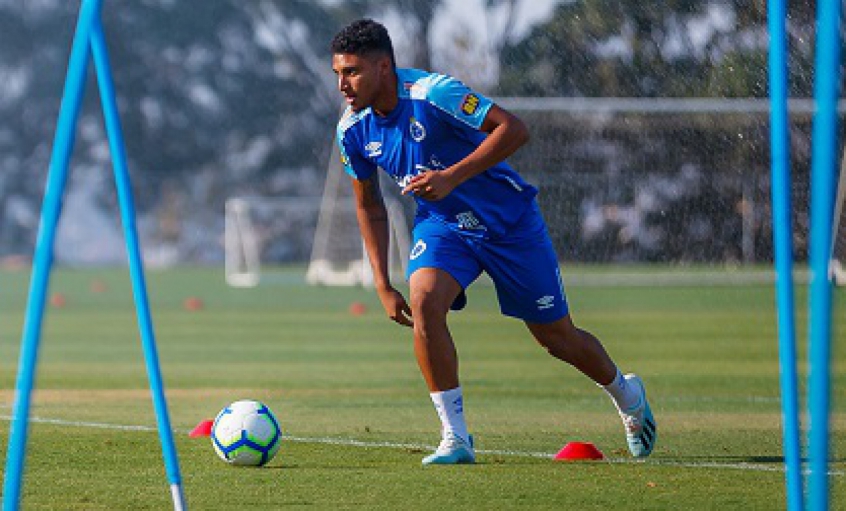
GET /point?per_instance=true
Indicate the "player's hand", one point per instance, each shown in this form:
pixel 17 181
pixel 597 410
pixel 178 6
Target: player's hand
pixel 430 185
pixel 395 306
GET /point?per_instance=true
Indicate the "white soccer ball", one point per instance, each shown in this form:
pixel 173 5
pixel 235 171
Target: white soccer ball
pixel 246 433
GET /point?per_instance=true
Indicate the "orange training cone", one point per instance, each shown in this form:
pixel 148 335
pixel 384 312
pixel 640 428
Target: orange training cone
pixel 58 300
pixel 203 429
pixel 192 303
pixel 579 451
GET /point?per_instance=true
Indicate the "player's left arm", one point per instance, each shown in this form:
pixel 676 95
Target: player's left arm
pixel 506 133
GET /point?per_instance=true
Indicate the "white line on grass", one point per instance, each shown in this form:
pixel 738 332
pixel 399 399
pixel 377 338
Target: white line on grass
pixel 757 467
pixel 83 424
pixel 351 442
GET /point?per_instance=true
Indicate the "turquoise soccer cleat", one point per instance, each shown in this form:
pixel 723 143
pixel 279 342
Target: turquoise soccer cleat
pixel 453 450
pixel 641 430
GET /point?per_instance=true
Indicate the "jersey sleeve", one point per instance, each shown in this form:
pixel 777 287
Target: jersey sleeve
pixel 354 163
pixel 459 102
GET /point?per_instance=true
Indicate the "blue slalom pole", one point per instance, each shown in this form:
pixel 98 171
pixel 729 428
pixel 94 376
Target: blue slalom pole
pixel 139 288
pixel 74 90
pixel 823 171
pixel 782 240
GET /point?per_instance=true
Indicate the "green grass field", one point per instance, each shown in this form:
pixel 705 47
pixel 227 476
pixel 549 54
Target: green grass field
pixel 356 414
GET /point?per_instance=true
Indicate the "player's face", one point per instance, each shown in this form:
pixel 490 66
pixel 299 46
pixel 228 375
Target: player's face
pixel 361 79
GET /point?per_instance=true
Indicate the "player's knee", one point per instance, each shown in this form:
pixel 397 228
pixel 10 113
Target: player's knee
pixel 428 308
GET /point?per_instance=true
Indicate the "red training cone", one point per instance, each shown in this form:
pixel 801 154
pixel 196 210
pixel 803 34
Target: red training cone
pixel 357 308
pixel 579 451
pixel 192 303
pixel 203 429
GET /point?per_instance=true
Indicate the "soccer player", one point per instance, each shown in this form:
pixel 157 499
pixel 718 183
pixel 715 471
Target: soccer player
pixel 445 145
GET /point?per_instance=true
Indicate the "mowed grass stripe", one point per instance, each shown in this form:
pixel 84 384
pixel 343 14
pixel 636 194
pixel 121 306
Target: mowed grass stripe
pixel 708 355
pixel 352 442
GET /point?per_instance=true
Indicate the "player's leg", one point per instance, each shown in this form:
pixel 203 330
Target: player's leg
pixel 432 293
pixel 581 349
pixel 440 267
pixel 525 270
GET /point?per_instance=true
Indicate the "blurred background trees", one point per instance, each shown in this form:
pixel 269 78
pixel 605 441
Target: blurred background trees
pixel 222 98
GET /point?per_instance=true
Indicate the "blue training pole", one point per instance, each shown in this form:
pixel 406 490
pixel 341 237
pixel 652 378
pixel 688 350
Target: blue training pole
pixel 823 171
pixel 139 288
pixel 783 243
pixel 43 259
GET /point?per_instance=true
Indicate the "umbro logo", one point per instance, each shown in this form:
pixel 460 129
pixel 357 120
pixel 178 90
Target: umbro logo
pixel 373 149
pixel 545 302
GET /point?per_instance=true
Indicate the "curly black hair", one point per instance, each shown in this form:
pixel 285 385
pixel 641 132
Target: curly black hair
pixel 363 37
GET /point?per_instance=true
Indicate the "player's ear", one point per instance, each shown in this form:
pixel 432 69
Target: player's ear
pixel 385 64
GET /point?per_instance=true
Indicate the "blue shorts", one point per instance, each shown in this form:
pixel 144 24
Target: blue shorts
pixel 522 265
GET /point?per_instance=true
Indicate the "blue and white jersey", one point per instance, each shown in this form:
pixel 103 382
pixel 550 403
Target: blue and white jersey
pixel 435 125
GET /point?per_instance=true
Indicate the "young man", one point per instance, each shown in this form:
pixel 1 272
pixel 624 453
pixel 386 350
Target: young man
pixel 445 145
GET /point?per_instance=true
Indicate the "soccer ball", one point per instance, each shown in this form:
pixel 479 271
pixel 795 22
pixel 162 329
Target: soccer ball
pixel 246 433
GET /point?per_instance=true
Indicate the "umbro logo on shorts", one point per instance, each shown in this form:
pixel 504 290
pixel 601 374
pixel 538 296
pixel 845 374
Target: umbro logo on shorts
pixel 545 302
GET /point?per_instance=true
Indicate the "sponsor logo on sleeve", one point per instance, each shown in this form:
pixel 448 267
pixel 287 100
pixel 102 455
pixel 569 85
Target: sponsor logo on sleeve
pixel 470 104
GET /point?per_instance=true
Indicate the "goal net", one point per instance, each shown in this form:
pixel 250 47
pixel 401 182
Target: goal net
pixel 678 184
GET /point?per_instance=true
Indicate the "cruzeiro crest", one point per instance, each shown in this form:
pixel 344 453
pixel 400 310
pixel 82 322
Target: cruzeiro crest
pixel 418 132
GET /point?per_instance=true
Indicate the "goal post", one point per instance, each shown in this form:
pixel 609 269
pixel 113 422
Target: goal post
pixel 838 232
pixel 242 265
pixel 262 233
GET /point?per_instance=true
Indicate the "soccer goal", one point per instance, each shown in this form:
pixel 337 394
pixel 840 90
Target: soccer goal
pixel 262 233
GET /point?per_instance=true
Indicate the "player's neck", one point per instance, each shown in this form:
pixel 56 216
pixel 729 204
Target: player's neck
pixel 388 99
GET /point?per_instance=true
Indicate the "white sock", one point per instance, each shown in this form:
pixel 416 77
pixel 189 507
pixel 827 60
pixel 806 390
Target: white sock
pixel 625 395
pixel 450 407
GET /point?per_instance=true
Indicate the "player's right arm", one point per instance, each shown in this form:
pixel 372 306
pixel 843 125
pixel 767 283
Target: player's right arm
pixel 372 216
